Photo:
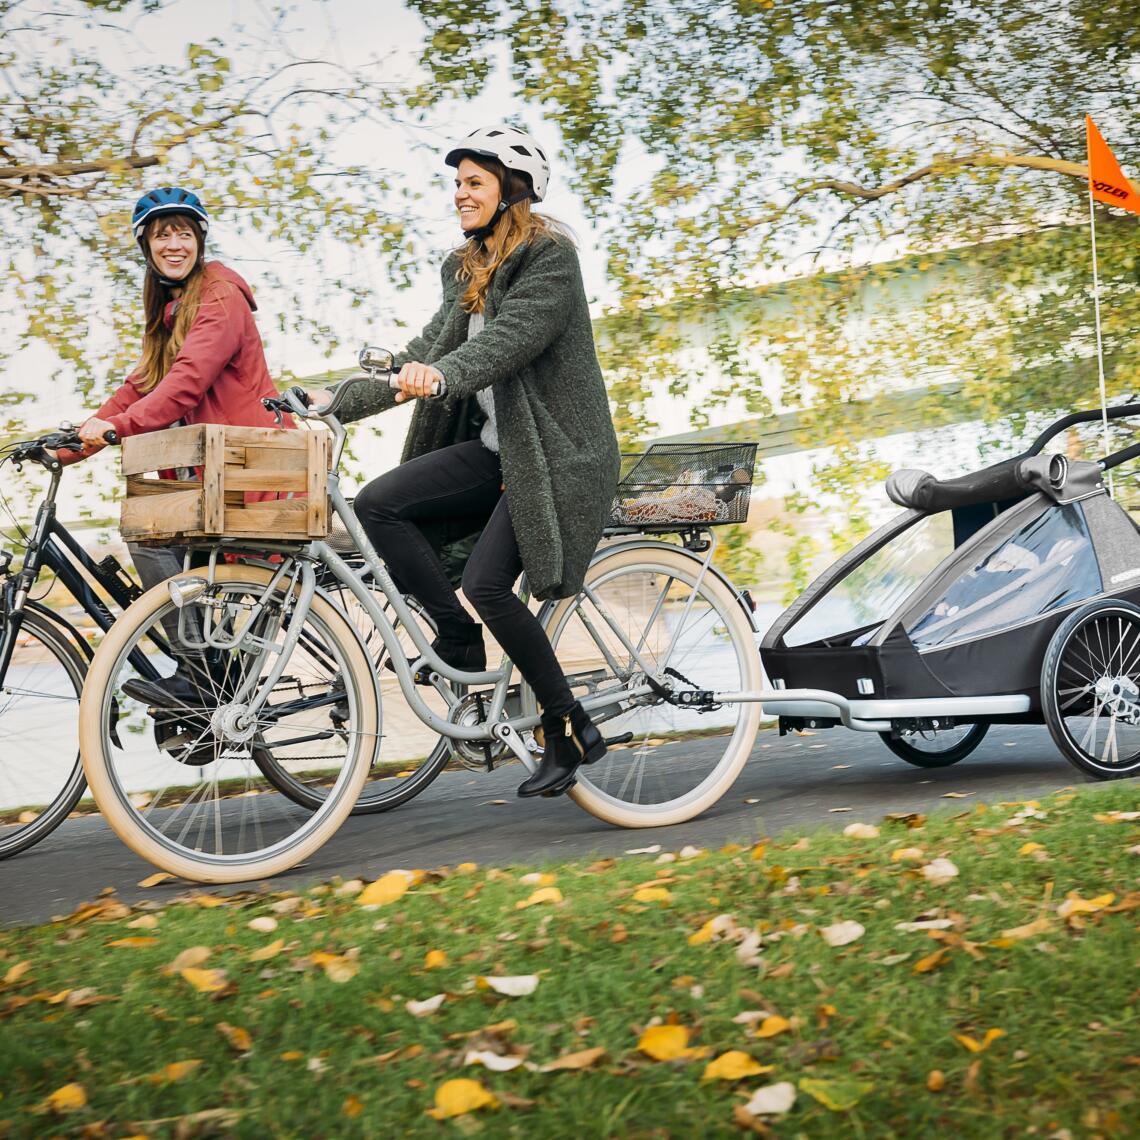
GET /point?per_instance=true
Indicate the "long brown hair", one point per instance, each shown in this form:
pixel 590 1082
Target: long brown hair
pixel 161 344
pixel 518 225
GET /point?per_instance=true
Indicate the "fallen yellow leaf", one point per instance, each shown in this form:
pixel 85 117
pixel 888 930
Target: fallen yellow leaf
pixel 386 889
pixel 459 1097
pixel 911 854
pixel 238 1039
pixel 155 879
pixel 192 956
pixel 1029 848
pixel 205 981
pixel 338 968
pixel 353 1106
pixel 652 894
pixel 734 1065
pixel 292 1055
pixel 772 1025
pixel 144 922
pixel 1040 925
pixel 205 901
pixel 974 1046
pixel 175 1071
pixel 840 1094
pixel 434 959
pixel 134 940
pixel 585 1059
pixel 665 1042
pixel 538 879
pixel 935 1080
pixel 16 972
pixel 466 868
pixel 266 952
pixel 68 1098
pixel 542 895
pixel 1074 904
pixel 931 961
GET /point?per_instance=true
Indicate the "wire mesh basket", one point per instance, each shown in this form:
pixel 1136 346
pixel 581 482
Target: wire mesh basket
pixel 684 484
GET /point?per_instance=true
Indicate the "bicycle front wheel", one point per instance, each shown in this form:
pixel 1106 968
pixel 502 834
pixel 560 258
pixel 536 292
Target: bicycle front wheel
pixel 693 634
pixel 190 791
pixel 41 778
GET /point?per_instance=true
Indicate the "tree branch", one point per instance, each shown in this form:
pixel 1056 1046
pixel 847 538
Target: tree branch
pixel 937 170
pixel 68 169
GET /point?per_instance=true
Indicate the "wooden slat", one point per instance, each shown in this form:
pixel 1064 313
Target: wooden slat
pixel 265 479
pixel 318 499
pixel 140 485
pixel 276 438
pixel 213 476
pixel 149 516
pixel 160 450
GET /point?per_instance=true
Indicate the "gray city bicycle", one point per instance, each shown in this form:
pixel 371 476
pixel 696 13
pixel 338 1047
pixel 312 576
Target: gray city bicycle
pixel 656 645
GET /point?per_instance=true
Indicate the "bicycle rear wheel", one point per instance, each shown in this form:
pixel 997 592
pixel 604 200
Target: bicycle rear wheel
pixel 189 792
pixel 41 778
pixel 680 761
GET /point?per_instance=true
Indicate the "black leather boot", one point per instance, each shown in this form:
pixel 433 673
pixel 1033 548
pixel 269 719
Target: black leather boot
pixel 460 646
pixel 568 741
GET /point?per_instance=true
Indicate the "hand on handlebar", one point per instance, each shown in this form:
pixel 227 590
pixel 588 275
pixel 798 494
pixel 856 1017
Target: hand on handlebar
pixel 417 381
pixel 97 433
pixel 318 398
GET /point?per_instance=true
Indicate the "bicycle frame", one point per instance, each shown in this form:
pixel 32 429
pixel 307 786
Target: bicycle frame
pixel 496 726
pixel 51 546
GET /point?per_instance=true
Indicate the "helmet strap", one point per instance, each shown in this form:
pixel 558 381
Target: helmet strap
pixel 484 232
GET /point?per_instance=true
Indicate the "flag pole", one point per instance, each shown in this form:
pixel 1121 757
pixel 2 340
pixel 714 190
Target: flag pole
pixel 1099 346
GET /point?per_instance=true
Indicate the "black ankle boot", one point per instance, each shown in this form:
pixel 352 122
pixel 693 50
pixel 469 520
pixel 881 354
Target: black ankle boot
pixel 460 646
pixel 568 741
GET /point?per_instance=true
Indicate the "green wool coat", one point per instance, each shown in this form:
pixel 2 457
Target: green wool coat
pixel 557 444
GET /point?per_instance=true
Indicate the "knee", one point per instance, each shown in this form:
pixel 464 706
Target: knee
pixel 480 591
pixel 372 504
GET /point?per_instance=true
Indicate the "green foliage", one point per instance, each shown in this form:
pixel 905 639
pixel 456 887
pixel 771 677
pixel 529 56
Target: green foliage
pixel 854 145
pixel 83 133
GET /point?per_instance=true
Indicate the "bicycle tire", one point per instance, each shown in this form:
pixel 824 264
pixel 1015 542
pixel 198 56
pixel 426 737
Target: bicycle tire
pixel 137 816
pixel 19 696
pixel 603 789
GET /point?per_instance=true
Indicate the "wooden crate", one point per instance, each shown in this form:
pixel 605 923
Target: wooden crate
pixel 233 460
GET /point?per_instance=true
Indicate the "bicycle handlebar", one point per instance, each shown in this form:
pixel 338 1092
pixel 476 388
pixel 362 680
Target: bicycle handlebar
pixel 66 439
pixel 296 400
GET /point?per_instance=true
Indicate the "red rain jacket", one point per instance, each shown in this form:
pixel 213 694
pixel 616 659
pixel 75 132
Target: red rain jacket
pixel 218 377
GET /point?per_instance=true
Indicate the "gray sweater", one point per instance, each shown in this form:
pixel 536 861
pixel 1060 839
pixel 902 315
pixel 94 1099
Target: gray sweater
pixel 556 438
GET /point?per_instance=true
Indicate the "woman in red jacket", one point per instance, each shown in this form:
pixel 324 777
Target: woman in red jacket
pixel 202 362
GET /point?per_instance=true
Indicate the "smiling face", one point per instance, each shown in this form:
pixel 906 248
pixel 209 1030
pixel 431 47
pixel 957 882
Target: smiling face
pixel 477 195
pixel 173 247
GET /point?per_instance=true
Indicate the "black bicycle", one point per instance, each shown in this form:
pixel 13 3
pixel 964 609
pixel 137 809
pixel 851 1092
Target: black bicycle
pixel 43 656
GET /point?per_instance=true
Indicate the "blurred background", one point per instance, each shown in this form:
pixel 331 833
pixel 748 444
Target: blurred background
pixel 856 231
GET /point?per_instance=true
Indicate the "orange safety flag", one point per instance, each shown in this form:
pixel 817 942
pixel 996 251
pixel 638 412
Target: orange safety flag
pixel 1107 182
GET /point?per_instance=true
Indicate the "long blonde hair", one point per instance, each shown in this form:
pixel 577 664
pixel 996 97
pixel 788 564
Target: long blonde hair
pixel 517 226
pixel 161 344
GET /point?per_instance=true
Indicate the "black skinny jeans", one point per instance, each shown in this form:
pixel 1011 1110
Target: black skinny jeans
pixel 462 482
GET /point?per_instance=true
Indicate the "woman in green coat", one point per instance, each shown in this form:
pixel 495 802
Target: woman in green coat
pixel 511 435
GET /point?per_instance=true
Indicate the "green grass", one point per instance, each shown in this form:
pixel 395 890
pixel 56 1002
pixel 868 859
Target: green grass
pixel 1065 998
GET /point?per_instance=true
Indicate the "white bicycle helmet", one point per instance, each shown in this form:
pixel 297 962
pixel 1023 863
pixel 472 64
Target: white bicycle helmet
pixel 515 149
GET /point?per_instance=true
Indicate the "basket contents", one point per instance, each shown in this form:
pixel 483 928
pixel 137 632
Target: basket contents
pixel 679 484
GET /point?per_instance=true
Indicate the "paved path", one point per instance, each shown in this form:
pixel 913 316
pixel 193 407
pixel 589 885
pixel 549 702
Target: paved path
pixel 795 780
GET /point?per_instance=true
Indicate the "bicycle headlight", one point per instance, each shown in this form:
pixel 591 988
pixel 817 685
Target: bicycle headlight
pixel 184 590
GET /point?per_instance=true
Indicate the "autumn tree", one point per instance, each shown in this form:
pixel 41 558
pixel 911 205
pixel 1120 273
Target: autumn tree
pixel 91 115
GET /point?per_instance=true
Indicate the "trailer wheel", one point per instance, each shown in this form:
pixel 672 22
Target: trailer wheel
pixel 936 749
pixel 1090 688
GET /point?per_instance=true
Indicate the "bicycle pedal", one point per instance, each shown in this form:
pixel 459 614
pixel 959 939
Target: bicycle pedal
pixel 621 738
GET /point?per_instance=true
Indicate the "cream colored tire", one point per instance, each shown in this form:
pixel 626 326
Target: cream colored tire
pixel 115 802
pixel 606 790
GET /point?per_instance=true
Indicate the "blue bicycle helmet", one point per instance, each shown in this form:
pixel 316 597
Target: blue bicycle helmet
pixel 167 200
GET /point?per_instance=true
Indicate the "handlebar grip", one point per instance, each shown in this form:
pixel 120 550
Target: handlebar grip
pixel 394 384
pixel 111 437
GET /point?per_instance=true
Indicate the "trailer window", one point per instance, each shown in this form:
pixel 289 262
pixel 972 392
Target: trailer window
pixel 1047 564
pixel 875 586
